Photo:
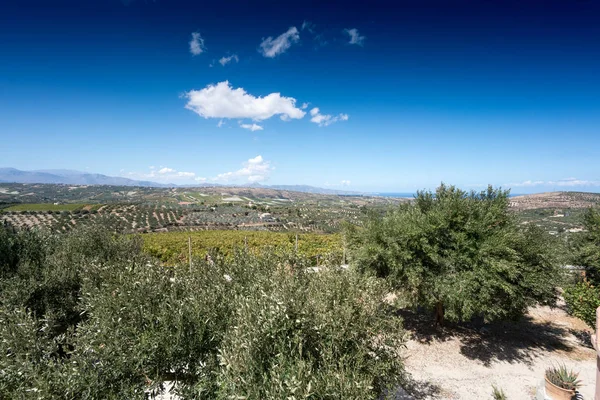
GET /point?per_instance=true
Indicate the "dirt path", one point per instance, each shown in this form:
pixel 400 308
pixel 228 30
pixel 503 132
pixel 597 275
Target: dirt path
pixel 464 362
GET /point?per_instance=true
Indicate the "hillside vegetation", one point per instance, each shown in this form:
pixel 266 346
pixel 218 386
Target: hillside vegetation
pixel 88 315
pixel 100 311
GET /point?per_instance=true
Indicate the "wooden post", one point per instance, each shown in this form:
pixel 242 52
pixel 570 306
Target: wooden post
pixel 246 243
pixel 344 253
pixel 190 251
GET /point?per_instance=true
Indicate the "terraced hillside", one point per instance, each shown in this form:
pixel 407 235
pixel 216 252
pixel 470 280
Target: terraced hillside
pixel 556 212
pixel 555 200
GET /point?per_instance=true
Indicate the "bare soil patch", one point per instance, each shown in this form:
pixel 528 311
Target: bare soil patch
pixel 463 362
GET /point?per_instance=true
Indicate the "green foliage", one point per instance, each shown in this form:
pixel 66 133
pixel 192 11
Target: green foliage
pixel 498 393
pixel 563 377
pixel 586 245
pixel 87 315
pixel 460 252
pixel 582 300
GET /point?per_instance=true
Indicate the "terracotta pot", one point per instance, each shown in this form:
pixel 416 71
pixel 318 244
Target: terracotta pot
pixel 558 393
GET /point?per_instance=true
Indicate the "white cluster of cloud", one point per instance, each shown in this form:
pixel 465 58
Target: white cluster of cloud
pixel 254 170
pixel 226 60
pixel 162 175
pixel 325 119
pixel 568 182
pixel 196 44
pixel 223 101
pixel 355 37
pixel 252 127
pixel 270 47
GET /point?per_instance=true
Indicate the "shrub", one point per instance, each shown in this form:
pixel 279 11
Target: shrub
pixel 582 300
pixel 88 315
pixel 461 253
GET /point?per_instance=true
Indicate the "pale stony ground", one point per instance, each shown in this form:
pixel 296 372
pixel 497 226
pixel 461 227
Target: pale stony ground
pixel 464 362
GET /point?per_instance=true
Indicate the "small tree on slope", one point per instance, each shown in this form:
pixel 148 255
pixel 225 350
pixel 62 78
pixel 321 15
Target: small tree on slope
pixel 462 254
pixel 583 297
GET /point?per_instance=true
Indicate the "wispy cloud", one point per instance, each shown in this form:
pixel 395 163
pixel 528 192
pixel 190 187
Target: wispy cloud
pixel 255 169
pixel 223 101
pixel 525 183
pixel 226 60
pixel 568 182
pixel 270 47
pixel 252 127
pixel 196 44
pixel 343 182
pixel 309 26
pixel 355 37
pixel 318 38
pixel 325 119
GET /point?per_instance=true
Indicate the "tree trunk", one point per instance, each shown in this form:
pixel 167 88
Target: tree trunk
pixel 439 313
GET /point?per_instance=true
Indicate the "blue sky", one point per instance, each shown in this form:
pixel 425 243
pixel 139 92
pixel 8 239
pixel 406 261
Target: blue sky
pixel 379 96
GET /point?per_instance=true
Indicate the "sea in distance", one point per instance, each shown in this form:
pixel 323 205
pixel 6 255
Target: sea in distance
pixel 411 195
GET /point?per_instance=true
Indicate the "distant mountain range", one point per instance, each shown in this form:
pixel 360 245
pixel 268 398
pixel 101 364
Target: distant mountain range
pixel 69 177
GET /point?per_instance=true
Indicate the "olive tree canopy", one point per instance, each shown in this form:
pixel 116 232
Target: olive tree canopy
pixel 462 253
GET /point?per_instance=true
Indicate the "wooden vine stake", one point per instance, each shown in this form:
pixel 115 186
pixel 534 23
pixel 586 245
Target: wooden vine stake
pixel 190 251
pixel 344 253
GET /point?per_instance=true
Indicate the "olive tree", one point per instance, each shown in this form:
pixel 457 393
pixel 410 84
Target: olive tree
pixel 460 253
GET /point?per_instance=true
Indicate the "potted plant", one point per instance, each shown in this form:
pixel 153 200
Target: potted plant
pixel 561 383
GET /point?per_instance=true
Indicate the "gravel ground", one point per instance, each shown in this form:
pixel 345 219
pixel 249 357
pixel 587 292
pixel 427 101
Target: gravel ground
pixel 464 362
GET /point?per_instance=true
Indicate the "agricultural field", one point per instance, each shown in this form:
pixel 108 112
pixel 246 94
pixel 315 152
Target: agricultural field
pixel 554 220
pixel 13 193
pixel 141 218
pixel 45 207
pixel 555 200
pixel 61 208
pixel 172 247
